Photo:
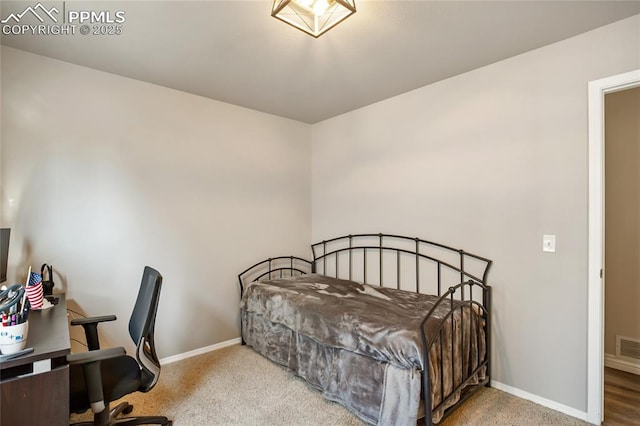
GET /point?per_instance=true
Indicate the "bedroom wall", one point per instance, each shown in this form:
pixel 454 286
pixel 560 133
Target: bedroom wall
pixel 489 161
pixel 622 216
pixel 102 175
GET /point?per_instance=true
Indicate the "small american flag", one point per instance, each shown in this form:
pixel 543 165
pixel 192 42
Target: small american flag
pixel 35 278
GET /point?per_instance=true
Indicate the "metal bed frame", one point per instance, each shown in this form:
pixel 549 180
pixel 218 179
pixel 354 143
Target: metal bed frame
pixel 459 279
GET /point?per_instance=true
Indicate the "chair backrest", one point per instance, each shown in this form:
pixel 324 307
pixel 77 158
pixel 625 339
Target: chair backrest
pixel 142 324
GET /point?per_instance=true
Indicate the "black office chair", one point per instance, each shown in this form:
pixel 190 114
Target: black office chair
pixel 100 376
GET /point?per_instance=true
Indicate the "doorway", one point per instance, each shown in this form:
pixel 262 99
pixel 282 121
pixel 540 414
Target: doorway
pixel 595 356
pixel 621 254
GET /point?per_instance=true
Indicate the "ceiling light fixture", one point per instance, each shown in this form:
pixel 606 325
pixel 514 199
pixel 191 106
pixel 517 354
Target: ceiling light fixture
pixel 314 17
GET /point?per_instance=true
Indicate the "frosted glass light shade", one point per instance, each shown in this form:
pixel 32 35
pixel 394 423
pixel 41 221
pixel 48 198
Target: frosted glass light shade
pixel 303 14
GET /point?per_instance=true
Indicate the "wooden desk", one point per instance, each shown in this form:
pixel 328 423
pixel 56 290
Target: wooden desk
pixel 35 387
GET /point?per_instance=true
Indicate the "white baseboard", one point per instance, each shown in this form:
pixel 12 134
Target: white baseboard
pixel 621 364
pixel 195 352
pixel 540 400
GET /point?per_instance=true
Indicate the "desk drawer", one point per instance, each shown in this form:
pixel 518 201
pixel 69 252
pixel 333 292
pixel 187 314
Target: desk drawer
pixel 36 399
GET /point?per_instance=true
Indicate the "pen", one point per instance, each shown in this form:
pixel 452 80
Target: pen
pixel 24 299
pixel 12 309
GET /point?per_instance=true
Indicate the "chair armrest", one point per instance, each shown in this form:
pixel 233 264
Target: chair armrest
pixel 93 356
pixel 90 363
pixel 91 320
pixel 90 325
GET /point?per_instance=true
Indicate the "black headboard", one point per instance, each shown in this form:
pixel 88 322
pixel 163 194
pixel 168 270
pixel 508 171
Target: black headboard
pixel 406 263
pixel 388 260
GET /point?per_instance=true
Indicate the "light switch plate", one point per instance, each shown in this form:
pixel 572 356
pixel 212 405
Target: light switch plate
pixel 549 243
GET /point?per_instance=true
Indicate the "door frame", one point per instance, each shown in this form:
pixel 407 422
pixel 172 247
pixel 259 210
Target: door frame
pixel 595 322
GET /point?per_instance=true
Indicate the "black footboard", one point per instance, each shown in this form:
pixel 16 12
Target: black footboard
pixel 274 267
pixel 471 351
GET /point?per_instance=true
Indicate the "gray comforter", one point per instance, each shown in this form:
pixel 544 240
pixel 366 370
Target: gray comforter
pixel 359 344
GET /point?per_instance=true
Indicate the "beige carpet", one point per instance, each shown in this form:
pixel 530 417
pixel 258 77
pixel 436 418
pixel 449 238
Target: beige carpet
pixel 236 386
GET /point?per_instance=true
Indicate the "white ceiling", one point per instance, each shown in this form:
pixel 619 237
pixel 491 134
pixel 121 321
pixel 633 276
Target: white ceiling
pixel 235 52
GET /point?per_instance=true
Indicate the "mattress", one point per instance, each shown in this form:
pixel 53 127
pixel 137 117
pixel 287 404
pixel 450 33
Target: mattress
pixel 361 345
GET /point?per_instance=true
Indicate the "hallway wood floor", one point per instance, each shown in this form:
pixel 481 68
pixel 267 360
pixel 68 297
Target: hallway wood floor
pixel 621 398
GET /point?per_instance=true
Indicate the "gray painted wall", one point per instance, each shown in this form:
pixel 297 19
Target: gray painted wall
pixel 102 175
pixel 488 161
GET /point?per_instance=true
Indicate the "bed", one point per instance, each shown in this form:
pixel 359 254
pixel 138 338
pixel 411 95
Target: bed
pixel 394 328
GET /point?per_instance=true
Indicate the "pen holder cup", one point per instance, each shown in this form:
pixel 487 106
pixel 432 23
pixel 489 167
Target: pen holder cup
pixel 13 338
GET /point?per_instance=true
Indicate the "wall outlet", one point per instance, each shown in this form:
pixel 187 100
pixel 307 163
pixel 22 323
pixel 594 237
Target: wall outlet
pixel 549 243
